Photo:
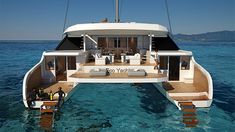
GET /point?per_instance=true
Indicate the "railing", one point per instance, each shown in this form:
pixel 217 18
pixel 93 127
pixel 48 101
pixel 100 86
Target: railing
pixel 208 78
pixel 29 82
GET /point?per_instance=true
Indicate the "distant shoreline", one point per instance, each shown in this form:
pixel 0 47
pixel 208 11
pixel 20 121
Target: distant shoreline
pixel 220 36
pixel 57 41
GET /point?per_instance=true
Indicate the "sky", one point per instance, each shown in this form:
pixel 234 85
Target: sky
pixel 44 19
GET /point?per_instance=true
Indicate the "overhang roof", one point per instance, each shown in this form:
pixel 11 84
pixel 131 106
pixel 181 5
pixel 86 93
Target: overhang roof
pixel 175 53
pixel 63 53
pixel 116 29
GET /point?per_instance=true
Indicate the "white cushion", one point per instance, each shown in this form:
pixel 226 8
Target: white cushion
pixel 99 55
pixel 97 69
pixel 136 69
pixel 137 55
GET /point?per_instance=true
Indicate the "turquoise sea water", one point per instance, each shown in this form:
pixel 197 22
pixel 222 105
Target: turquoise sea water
pixel 116 107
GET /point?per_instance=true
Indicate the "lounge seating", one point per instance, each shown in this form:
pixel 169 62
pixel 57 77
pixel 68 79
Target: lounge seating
pixel 109 58
pixel 136 72
pixel 135 60
pixel 100 60
pixel 98 72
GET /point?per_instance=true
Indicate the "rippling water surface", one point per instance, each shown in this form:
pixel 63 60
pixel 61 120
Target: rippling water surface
pixel 116 107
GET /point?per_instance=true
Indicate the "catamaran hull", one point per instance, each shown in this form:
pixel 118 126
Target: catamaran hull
pixel 197 103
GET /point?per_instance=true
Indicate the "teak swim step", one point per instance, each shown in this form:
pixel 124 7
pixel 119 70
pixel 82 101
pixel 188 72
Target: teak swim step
pixel 189 114
pixel 47 109
pixel 46 120
pixel 186 103
pixel 188 110
pixel 185 115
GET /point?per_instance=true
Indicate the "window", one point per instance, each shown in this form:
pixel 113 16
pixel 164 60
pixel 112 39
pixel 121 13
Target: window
pixel 71 62
pixel 111 42
pixel 132 44
pixel 117 43
pixel 49 62
pixel 123 42
pixel 185 62
pixel 163 62
pixel 102 42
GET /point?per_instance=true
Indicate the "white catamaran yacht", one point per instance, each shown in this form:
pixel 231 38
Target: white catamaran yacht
pixel 120 53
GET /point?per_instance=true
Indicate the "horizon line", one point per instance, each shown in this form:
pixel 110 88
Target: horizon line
pixel 62 38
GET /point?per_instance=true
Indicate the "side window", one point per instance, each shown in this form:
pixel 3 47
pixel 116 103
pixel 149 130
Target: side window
pixel 71 62
pixel 185 62
pixel 49 62
pixel 117 43
pixel 102 43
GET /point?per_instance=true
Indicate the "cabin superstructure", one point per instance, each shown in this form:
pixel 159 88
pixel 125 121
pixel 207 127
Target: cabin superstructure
pixel 121 53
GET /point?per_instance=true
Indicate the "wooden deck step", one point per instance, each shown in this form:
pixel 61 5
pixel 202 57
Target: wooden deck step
pixel 46 121
pixel 186 103
pixel 191 98
pixel 189 110
pixel 189 119
pixel 50 103
pixel 47 110
pixel 189 114
pixel 185 115
pixel 48 107
pixel 187 107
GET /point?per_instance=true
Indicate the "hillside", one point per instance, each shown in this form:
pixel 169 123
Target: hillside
pixel 220 36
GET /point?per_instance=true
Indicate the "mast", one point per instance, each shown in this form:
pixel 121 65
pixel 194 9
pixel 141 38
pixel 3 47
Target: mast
pixel 168 16
pixel 117 12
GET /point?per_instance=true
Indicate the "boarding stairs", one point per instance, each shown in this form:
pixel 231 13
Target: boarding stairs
pixel 154 44
pixel 81 44
pixel 47 111
pixel 189 114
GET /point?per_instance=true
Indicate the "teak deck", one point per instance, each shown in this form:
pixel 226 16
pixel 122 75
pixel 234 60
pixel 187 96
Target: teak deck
pixel 192 98
pixel 66 87
pixel 181 87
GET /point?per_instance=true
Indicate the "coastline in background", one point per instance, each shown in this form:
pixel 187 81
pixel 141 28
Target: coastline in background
pixel 220 36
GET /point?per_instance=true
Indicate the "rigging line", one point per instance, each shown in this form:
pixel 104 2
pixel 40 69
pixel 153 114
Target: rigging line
pixel 113 3
pixel 168 16
pixel 66 14
pixel 120 9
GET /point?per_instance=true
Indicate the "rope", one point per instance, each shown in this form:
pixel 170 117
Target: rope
pixel 66 14
pixel 120 9
pixel 168 16
pixel 113 4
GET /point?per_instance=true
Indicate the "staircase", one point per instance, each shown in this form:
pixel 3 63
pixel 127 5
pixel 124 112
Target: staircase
pixel 47 114
pixel 46 121
pixel 189 114
pixel 81 46
pixel 154 44
pixel 48 107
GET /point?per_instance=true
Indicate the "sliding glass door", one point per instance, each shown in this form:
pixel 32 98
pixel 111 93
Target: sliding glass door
pixel 118 45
